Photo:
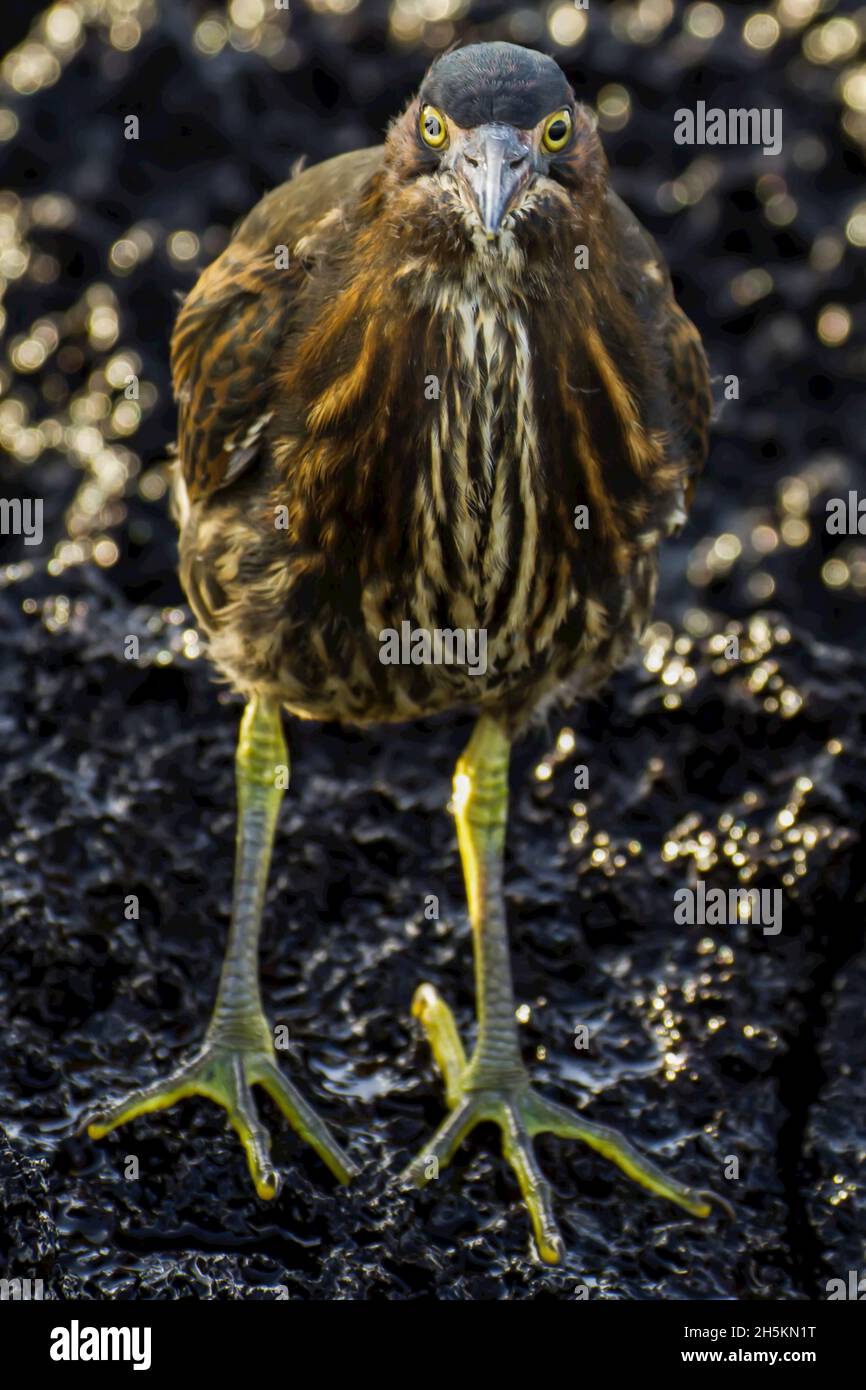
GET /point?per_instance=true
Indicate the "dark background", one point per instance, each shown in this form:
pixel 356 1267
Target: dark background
pixel 117 776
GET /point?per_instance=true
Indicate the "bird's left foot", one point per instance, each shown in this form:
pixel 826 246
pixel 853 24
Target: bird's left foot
pixel 475 1095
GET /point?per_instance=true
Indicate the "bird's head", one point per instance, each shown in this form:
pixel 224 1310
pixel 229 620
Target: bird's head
pixel 495 144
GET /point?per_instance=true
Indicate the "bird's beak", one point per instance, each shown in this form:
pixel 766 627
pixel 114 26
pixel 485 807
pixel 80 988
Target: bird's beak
pixel 494 163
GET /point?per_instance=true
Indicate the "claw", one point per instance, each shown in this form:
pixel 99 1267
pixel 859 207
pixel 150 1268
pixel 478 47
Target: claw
pixel 713 1198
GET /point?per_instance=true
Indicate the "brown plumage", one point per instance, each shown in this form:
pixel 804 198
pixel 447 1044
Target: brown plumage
pixel 440 385
pixel 308 388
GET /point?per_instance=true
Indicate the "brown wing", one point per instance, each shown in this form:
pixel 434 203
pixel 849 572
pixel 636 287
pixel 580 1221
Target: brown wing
pixel 689 381
pixel 239 311
pixel 687 371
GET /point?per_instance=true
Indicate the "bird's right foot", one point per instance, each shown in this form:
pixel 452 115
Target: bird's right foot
pixel 224 1070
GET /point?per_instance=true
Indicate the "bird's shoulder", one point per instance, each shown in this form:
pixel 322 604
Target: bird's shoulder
pixel 240 310
pixel 645 278
pixel 293 208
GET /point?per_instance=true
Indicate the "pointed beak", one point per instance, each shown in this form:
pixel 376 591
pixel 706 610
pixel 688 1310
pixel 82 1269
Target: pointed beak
pixel 495 165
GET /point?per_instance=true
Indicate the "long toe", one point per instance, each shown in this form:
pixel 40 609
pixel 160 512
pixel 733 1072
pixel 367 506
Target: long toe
pixel 226 1075
pixel 518 1150
pixel 144 1100
pixel 437 1154
pixel 304 1120
pixel 255 1138
pixel 556 1119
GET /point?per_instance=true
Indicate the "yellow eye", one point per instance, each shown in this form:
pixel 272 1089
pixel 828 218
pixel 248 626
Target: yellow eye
pixel 557 130
pixel 433 131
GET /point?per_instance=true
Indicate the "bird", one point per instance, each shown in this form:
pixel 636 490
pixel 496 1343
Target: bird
pixel 438 409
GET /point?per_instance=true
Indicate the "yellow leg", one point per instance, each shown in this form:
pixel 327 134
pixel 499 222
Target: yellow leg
pixel 238 1051
pixel 494 1084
